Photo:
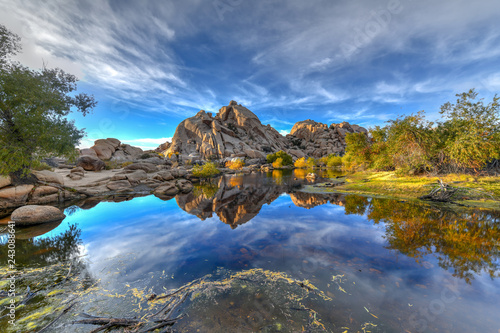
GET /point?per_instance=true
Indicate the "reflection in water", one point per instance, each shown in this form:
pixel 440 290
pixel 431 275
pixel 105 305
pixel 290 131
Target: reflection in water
pixel 402 266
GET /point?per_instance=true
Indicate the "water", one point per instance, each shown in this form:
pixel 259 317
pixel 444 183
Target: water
pixel 262 246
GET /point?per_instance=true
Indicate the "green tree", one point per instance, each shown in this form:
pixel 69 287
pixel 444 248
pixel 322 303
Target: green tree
pixel 357 151
pixel 33 109
pixel 471 133
pixel 411 143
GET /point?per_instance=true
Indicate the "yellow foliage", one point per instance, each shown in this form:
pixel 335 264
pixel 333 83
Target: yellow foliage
pixel 235 165
pixel 278 163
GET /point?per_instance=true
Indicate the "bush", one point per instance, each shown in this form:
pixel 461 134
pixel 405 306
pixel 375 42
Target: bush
pixel 235 165
pixel 208 170
pixel 301 163
pixel 278 163
pixel 110 165
pixel 124 164
pixel 285 158
pixel 331 161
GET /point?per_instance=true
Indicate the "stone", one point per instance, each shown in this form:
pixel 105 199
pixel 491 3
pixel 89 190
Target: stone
pixel 119 185
pixel 178 172
pixel 104 148
pixel 135 177
pixel 233 103
pixel 167 188
pixel 5 181
pixel 185 186
pixel 49 177
pixel 147 167
pixel 164 176
pixel 17 193
pixel 88 152
pixel 90 163
pixel 32 214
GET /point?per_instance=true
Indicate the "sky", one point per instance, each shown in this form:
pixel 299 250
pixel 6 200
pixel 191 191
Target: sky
pixel 151 64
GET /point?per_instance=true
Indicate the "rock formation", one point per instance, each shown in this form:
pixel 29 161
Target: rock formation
pixel 31 214
pixel 318 139
pixel 112 149
pixel 235 131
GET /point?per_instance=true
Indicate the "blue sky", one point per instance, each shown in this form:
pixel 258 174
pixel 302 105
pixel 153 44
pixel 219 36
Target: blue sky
pixel 151 64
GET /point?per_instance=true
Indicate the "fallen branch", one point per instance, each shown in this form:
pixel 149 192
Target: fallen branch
pixel 443 193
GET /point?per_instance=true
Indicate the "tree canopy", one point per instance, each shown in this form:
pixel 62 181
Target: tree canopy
pixel 465 140
pixel 33 109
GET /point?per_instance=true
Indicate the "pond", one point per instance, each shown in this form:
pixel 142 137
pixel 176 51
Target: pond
pixel 256 254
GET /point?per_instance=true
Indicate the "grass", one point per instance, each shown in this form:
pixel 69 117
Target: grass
pixel 473 191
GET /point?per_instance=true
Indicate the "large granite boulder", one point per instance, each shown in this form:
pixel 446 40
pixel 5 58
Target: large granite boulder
pixel 105 148
pixel 147 167
pixel 167 188
pixel 90 163
pixel 5 181
pixel 234 131
pixel 49 177
pixel 31 214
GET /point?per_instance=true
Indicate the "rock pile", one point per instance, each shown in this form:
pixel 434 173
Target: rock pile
pixel 317 139
pixel 234 131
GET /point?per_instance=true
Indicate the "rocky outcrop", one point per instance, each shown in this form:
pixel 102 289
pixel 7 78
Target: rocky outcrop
pixel 237 132
pixel 317 139
pixel 5 181
pixel 49 177
pixel 31 214
pixel 112 149
pixel 234 131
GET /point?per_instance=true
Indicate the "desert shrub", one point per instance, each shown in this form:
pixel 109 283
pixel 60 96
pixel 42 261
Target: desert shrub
pixel 331 161
pixel 285 158
pixel 40 166
pixel 110 165
pixel 124 164
pixel 278 163
pixel 145 156
pixel 301 163
pixel 235 165
pixel 311 162
pixel 208 170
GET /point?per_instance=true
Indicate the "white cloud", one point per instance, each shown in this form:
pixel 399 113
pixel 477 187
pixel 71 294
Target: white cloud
pixel 284 132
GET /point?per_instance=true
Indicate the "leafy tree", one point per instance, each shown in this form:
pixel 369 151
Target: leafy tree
pixel 301 163
pixel 471 133
pixel 357 152
pixel 379 150
pixel 33 109
pixel 410 142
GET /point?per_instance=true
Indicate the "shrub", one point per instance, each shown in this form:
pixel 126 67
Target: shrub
pixel 301 163
pixel 124 164
pixel 331 161
pixel 40 166
pixel 278 163
pixel 208 170
pixel 145 156
pixel 110 165
pixel 285 158
pixel 235 165
pixel 311 162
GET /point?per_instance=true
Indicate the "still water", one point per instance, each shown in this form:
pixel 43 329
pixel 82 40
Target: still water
pixel 257 254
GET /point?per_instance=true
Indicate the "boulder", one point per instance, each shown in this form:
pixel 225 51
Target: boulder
pixel 49 177
pixel 88 152
pixel 135 177
pixel 77 173
pixel 104 148
pixel 5 181
pixel 90 163
pixel 31 214
pixel 185 186
pixel 147 167
pixel 119 185
pixel 178 173
pixel 167 188
pixel 15 194
pixel 164 176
